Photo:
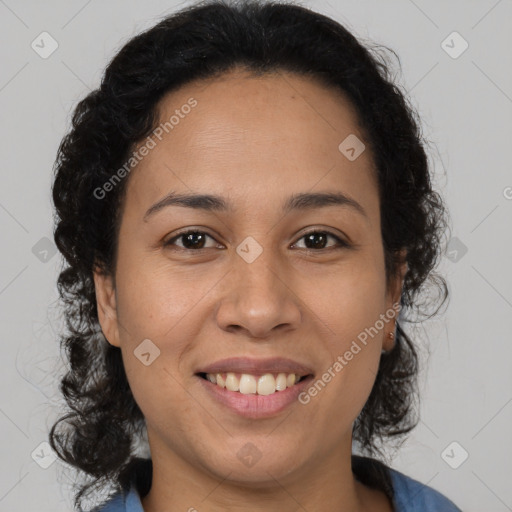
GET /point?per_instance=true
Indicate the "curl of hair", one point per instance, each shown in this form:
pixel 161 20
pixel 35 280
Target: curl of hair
pixel 98 433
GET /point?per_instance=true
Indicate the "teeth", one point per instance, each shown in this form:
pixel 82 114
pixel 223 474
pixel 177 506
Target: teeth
pixel 232 382
pixel 291 379
pixel 250 384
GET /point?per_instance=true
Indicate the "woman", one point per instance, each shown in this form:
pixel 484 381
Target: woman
pixel 246 211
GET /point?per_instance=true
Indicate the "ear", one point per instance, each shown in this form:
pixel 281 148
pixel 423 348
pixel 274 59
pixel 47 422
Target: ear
pixel 394 294
pixel 106 304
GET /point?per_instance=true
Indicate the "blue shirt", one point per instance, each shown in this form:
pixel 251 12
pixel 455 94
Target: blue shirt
pixel 409 495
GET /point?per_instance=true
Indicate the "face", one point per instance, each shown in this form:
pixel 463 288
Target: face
pixel 257 280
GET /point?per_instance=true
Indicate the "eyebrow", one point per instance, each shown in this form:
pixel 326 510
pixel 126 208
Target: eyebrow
pixel 296 202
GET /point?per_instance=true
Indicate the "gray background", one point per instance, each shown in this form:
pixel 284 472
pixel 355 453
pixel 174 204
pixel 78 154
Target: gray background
pixel 465 104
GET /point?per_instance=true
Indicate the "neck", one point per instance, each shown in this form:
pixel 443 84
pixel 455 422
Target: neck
pixel 325 483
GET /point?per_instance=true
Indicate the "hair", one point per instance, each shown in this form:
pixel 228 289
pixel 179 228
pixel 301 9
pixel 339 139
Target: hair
pixel 103 423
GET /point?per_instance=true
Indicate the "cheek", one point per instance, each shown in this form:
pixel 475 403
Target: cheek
pixel 350 306
pixel 154 334
pixel 153 298
pixel 158 305
pixel 349 300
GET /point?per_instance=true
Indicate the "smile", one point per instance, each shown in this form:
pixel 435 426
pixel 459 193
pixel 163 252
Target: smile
pixel 247 401
pixel 245 383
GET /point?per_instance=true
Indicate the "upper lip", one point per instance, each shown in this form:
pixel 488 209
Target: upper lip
pixel 256 366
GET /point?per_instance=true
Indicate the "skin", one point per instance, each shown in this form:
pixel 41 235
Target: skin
pixel 254 141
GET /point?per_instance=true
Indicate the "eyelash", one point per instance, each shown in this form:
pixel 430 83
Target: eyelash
pixel 341 243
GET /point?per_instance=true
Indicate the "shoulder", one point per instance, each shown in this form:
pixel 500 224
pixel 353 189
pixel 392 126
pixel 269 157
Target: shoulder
pixel 412 496
pixel 407 494
pixel 123 502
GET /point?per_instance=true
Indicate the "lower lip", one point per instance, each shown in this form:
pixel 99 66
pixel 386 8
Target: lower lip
pixel 252 405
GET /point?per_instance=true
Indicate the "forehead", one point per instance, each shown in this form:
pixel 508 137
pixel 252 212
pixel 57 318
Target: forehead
pixel 252 136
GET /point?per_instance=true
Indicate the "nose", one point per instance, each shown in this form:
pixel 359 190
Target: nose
pixel 259 300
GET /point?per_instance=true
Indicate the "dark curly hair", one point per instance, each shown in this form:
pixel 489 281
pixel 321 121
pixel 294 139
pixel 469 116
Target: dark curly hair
pixel 102 423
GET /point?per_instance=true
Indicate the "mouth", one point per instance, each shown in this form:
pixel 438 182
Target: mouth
pixel 254 388
pixel 248 376
pixel 257 396
pixel 254 384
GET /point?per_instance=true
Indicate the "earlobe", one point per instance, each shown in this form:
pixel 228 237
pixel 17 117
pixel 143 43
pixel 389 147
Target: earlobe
pixel 106 306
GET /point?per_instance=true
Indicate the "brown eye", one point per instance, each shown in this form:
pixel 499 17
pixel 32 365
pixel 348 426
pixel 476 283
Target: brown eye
pixel 194 240
pixel 191 240
pixel 317 240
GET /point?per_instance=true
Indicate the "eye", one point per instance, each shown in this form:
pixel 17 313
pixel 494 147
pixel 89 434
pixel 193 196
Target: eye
pixel 192 240
pixel 317 240
pixel 195 240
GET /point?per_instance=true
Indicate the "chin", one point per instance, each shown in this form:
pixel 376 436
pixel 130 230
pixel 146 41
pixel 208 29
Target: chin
pixel 254 466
